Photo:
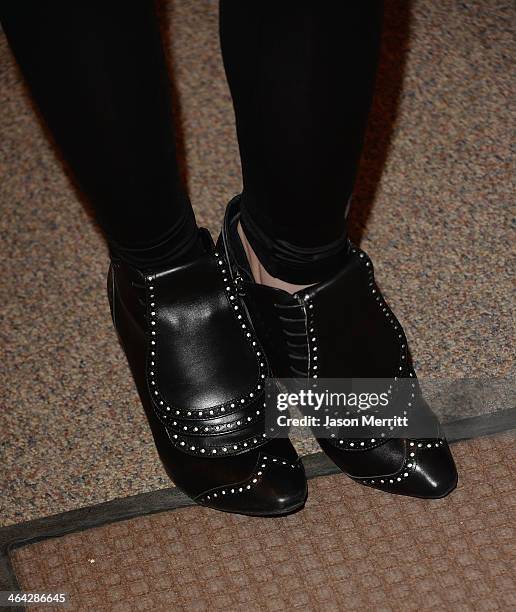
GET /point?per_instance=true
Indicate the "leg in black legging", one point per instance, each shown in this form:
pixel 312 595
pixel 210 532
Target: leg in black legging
pixel 301 75
pixel 97 72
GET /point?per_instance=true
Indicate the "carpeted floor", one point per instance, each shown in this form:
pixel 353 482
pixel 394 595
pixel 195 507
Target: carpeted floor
pixel 432 208
pixel 351 548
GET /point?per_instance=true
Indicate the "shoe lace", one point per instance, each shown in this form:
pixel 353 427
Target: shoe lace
pixel 298 349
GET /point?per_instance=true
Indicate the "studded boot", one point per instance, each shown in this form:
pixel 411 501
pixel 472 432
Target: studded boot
pixel 343 328
pixel 199 370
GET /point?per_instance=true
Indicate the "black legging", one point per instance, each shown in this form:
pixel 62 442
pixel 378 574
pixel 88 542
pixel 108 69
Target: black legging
pixel 301 74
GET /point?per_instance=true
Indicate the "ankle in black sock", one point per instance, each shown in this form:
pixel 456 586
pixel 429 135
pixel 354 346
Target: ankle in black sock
pixel 166 254
pixel 294 264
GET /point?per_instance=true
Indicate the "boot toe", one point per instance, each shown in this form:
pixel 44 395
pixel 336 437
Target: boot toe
pixel 429 472
pixel 277 486
pixel 434 475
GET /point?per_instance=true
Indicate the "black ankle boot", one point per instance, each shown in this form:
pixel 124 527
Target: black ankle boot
pixel 342 328
pixel 200 370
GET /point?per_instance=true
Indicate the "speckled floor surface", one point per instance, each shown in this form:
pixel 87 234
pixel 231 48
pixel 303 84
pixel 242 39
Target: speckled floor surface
pixel 432 207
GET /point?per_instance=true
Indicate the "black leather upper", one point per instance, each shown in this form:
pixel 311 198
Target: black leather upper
pixel 200 372
pixel 350 307
pixel 343 328
pixel 185 354
pixel 205 372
